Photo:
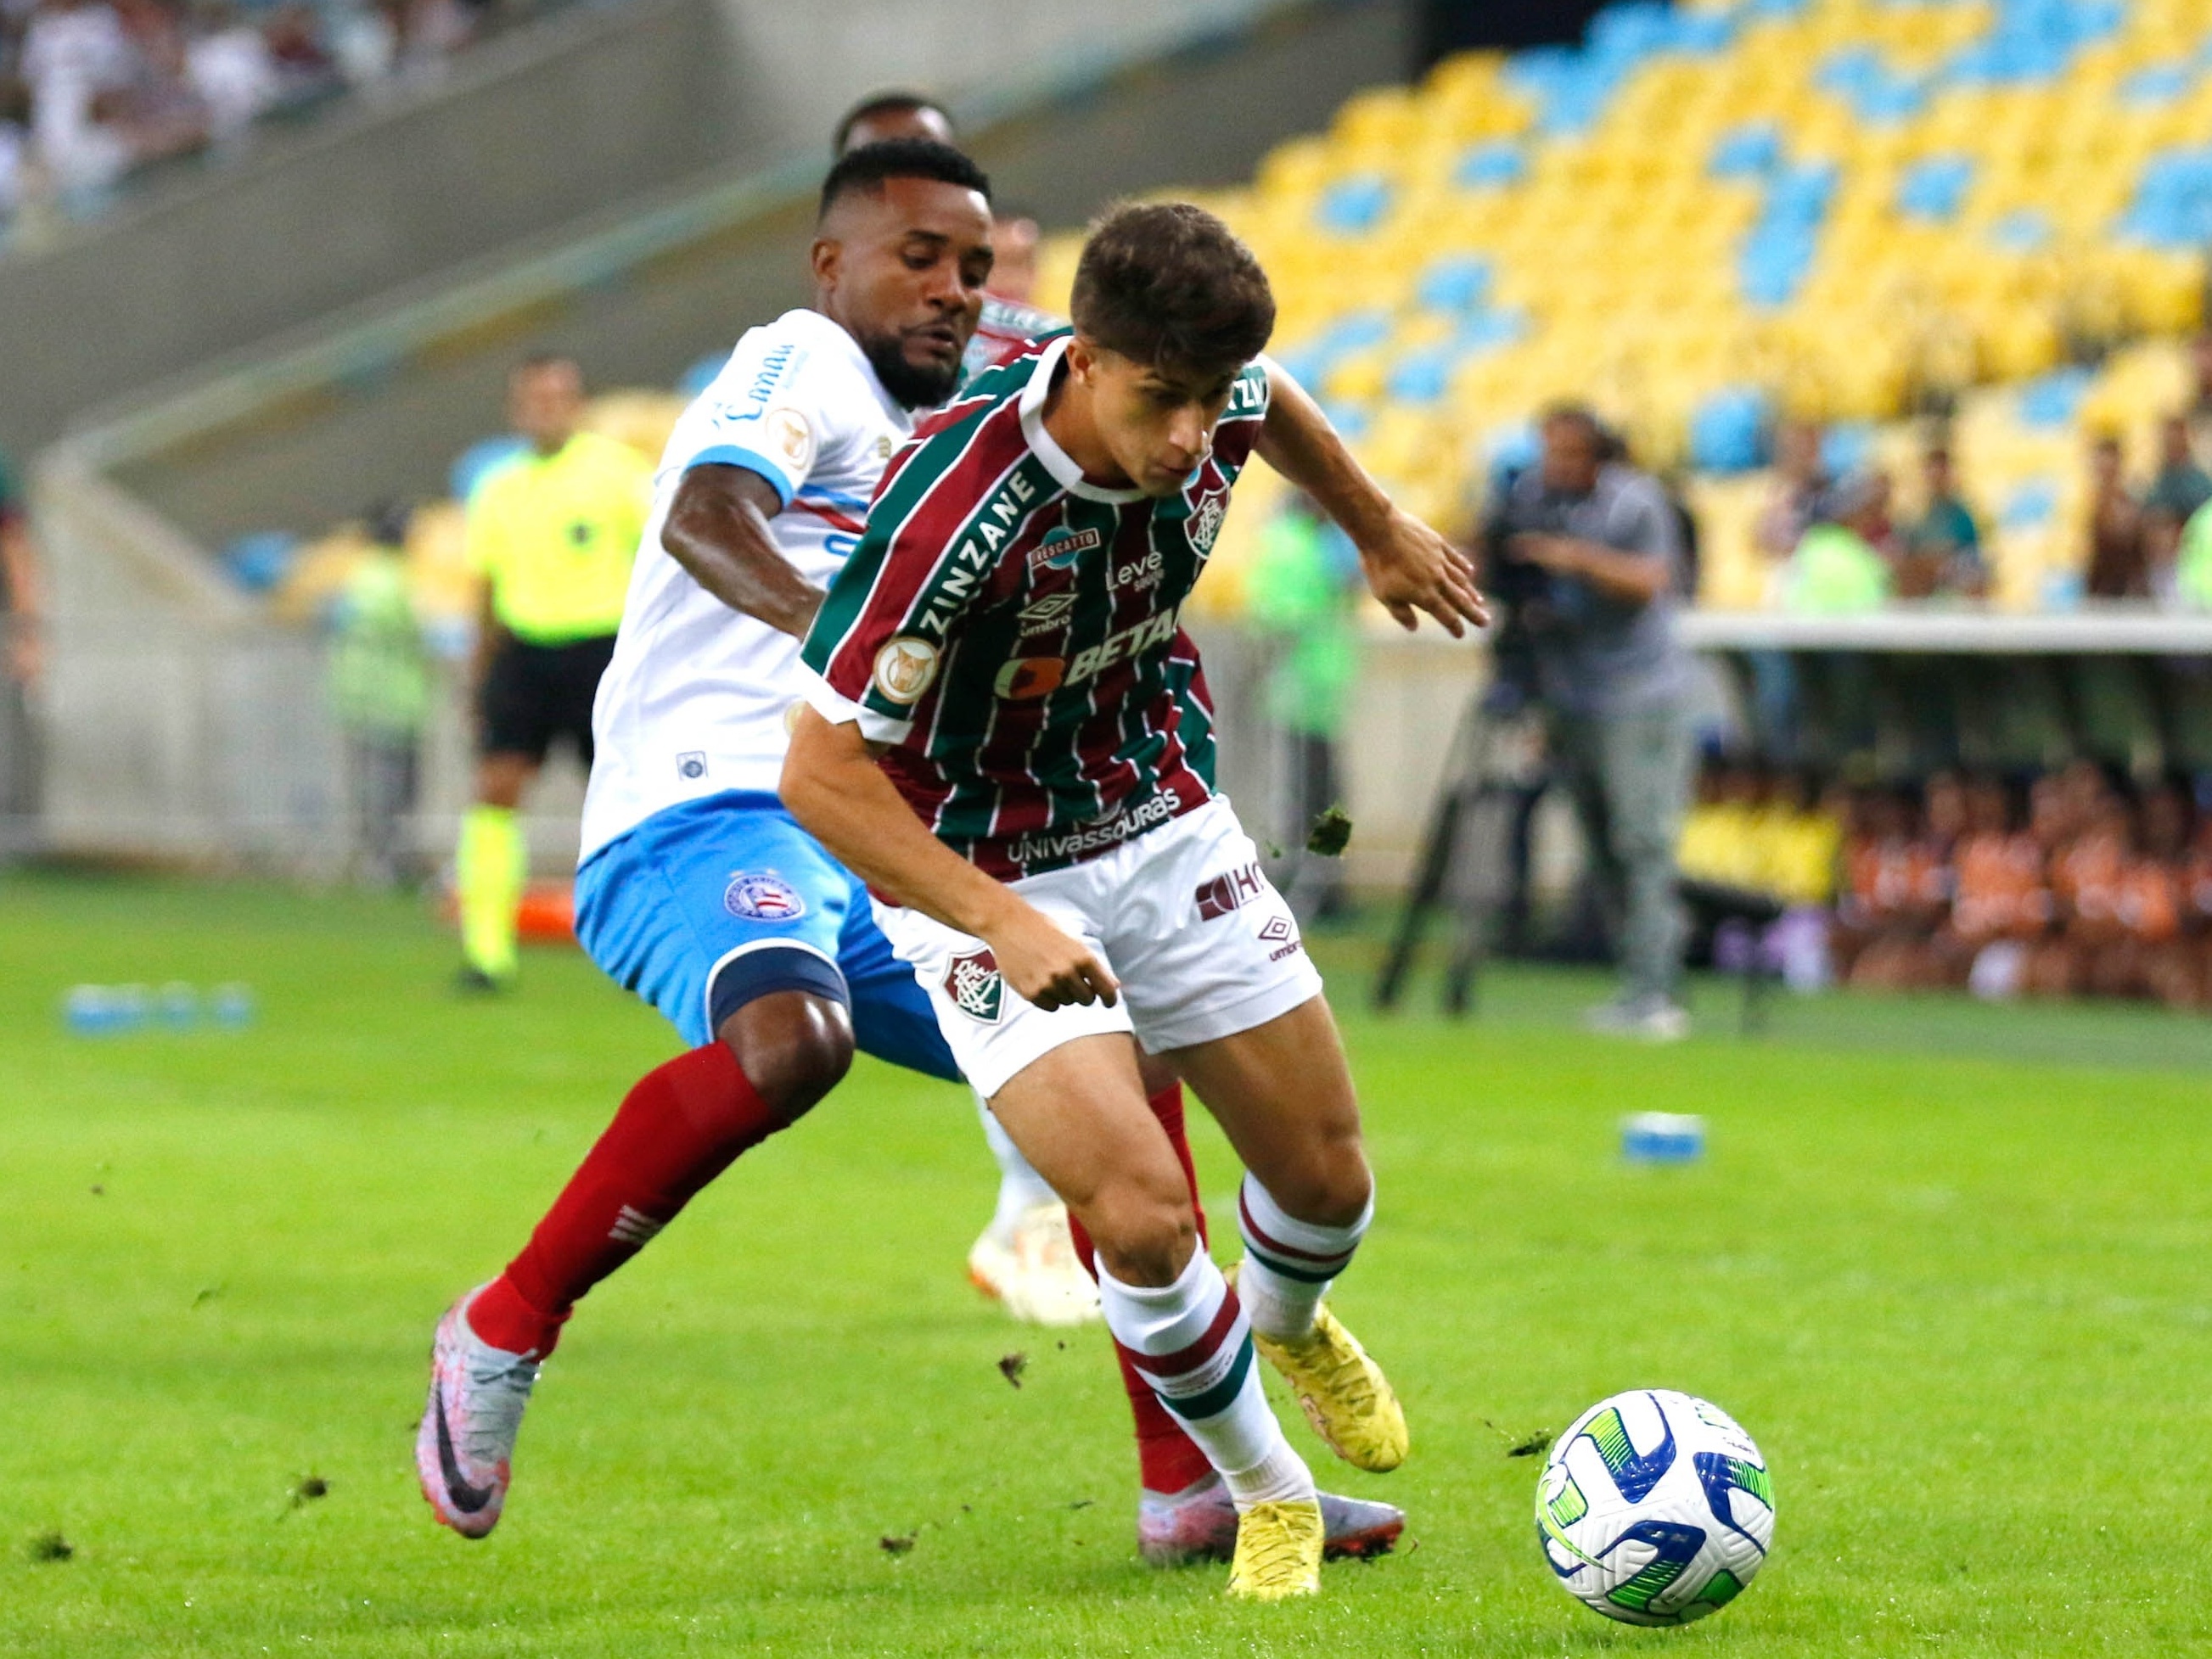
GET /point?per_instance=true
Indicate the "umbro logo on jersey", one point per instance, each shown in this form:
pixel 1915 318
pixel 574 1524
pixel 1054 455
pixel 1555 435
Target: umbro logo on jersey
pixel 1027 678
pixel 973 981
pixel 1276 929
pixel 1046 611
pixel 1061 548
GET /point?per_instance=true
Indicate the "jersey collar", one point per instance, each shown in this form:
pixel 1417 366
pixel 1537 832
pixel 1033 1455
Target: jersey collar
pixel 1057 461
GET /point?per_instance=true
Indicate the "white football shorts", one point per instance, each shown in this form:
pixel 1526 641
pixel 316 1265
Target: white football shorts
pixel 1204 945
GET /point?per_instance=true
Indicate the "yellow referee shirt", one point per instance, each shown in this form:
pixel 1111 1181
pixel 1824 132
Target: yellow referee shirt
pixel 555 536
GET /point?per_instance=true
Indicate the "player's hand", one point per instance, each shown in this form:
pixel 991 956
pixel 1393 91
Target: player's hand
pixel 1411 568
pixel 1044 964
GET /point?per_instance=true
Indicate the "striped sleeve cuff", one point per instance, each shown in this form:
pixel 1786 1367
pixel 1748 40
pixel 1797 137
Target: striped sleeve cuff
pixel 753 461
pixel 834 705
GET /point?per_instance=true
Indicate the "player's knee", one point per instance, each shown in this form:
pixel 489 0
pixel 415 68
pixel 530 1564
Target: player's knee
pixel 794 1048
pixel 1329 1185
pixel 1143 1230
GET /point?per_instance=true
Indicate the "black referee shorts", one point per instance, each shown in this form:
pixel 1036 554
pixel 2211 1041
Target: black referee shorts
pixel 533 694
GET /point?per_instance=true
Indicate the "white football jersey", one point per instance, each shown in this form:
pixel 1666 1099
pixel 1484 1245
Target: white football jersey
pixel 697 696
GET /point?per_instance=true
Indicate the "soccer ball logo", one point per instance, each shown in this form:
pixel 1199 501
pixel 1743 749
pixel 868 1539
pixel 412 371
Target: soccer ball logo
pixel 1655 1507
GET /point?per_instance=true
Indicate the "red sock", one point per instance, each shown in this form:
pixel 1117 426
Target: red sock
pixel 1168 1460
pixel 682 1125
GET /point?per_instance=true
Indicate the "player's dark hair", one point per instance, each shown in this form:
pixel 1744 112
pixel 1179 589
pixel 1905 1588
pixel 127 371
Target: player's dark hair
pixel 893 101
pixel 1168 285
pixel 868 167
pixel 538 361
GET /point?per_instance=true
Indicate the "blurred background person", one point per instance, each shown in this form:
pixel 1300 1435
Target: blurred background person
pixel 2180 488
pixel 2115 567
pixel 552 533
pixel 1843 563
pixel 380 686
pixel 1615 682
pixel 1794 497
pixel 1301 591
pixel 22 660
pixel 1940 551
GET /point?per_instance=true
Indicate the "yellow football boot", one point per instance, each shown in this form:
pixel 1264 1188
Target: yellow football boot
pixel 1342 1392
pixel 1279 1547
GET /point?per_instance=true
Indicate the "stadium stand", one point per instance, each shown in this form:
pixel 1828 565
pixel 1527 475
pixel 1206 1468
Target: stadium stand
pixel 92 91
pixel 1711 219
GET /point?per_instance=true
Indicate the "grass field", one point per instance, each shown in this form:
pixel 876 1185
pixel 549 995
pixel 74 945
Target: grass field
pixel 1952 1265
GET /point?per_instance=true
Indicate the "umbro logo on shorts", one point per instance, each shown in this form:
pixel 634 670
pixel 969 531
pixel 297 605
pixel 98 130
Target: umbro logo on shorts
pixel 1230 892
pixel 1281 933
pixel 973 981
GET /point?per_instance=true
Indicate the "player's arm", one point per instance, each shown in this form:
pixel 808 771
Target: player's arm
pixel 1409 567
pixel 717 530
pixel 835 790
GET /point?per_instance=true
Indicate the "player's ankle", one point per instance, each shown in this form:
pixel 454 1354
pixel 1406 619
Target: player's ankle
pixel 499 1315
pixel 1279 1477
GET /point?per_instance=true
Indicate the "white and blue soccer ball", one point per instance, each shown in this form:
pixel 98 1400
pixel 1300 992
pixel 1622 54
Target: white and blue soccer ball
pixel 1655 1507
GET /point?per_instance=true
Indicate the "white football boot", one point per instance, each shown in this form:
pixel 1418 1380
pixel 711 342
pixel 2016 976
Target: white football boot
pixel 1199 1523
pixel 1031 1268
pixel 465 1449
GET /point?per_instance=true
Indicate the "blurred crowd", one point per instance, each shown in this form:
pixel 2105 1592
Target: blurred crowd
pixel 2073 883
pixel 1840 540
pixel 91 90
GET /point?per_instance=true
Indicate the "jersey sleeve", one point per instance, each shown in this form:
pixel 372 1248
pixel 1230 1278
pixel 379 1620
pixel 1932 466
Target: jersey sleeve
pixel 483 541
pixel 876 645
pixel 772 410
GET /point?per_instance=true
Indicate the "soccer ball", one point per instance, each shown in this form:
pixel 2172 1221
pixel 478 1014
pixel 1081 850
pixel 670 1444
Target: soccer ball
pixel 1655 1507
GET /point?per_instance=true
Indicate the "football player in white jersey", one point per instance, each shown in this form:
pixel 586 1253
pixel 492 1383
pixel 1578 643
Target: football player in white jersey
pixel 696 888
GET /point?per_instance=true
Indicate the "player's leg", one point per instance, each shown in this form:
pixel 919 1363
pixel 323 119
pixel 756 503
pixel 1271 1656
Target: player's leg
pixel 1067 1086
pixel 743 966
pixel 1025 1259
pixel 1217 980
pixel 1184 1511
pixel 492 861
pixel 1282 1092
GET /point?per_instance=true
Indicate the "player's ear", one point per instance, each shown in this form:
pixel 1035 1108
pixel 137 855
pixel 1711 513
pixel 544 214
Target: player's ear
pixel 1081 359
pixel 824 259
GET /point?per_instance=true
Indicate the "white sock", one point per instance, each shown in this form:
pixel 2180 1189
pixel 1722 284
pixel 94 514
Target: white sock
pixel 1288 1264
pixel 1278 1477
pixel 1021 1189
pixel 1194 1346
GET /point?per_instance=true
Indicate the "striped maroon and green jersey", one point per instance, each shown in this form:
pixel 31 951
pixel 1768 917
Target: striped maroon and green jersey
pixel 1009 629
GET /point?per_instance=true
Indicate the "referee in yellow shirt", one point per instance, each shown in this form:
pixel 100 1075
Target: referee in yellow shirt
pixel 552 533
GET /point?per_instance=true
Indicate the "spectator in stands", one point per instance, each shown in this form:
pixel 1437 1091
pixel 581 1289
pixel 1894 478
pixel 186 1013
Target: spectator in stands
pixel 1942 548
pixel 2180 487
pixel 2199 411
pixel 1615 682
pixel 231 69
pixel 1841 564
pixel 22 660
pixel 2117 568
pixel 1793 500
pixel 379 672
pixel 15 146
pixel 1999 905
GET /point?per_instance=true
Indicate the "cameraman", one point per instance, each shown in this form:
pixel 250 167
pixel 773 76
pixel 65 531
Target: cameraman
pixel 1587 552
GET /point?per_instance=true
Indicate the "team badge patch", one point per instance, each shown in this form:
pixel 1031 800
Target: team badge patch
pixel 1206 522
pixel 762 896
pixel 904 669
pixel 793 436
pixel 973 981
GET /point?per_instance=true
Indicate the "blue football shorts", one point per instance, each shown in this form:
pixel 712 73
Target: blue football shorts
pixel 710 904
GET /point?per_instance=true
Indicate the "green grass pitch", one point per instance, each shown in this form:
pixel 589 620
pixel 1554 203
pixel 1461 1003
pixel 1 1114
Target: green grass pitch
pixel 1951 1265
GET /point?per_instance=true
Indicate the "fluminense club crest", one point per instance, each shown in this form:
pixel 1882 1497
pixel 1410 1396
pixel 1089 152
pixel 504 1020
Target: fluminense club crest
pixel 973 981
pixel 1206 521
